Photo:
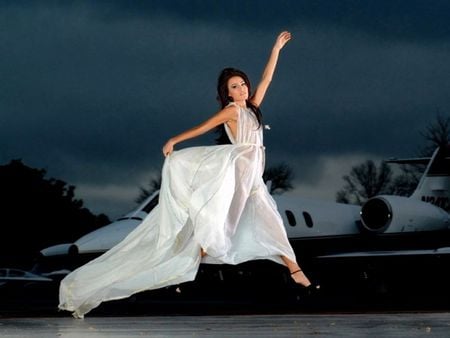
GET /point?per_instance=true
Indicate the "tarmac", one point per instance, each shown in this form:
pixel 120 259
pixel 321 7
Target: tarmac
pixel 406 324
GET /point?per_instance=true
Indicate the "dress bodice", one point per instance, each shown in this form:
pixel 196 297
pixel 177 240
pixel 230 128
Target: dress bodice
pixel 248 130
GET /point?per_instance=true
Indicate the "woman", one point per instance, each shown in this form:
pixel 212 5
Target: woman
pixel 213 207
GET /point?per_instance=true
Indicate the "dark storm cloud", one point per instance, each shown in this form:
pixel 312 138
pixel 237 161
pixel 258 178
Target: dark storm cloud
pixel 391 19
pixel 91 90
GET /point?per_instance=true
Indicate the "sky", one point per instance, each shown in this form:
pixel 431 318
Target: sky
pixel 91 90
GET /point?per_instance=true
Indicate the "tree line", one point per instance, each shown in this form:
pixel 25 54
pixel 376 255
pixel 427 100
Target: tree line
pixel 364 181
pixel 368 179
pixel 37 212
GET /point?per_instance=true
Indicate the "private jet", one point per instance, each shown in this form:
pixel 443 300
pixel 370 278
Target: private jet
pixel 387 239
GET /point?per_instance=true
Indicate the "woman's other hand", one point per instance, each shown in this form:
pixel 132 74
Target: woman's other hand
pixel 168 148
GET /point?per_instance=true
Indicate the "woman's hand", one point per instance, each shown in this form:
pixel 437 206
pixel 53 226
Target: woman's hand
pixel 168 148
pixel 282 40
pixel 261 89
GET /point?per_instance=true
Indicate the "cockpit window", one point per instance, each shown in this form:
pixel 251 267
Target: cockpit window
pixel 151 204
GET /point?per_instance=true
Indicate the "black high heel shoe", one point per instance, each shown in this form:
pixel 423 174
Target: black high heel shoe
pixel 310 289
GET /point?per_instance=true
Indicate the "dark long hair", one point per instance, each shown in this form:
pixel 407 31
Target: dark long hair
pixel 224 99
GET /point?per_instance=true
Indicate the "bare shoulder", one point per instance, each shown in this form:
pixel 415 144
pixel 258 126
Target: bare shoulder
pixel 231 112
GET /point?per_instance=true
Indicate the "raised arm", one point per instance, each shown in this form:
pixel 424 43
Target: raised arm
pixel 267 75
pixel 226 114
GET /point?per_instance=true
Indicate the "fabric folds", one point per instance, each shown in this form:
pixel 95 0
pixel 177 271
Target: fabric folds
pixel 211 197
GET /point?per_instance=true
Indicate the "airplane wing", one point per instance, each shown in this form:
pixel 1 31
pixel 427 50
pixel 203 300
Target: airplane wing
pixel 389 253
pixel 20 276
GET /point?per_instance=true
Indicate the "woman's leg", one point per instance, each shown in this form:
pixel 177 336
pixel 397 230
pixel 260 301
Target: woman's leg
pixel 296 272
pixel 202 252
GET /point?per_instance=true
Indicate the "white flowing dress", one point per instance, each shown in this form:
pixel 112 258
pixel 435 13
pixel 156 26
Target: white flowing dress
pixel 211 197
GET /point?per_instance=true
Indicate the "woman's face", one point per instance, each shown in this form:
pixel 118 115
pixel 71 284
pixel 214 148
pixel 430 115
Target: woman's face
pixel 237 89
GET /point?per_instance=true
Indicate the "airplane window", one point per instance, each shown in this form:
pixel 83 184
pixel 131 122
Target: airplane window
pixel 151 204
pixel 308 219
pixel 291 218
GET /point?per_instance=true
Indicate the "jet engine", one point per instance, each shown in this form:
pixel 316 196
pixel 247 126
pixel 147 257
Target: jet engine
pixel 387 213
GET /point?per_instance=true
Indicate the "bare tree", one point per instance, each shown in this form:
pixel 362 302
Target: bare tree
pixel 365 181
pixel 281 176
pixel 405 183
pixel 436 134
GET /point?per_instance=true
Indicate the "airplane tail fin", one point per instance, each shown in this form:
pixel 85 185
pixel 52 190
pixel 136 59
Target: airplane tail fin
pixel 434 185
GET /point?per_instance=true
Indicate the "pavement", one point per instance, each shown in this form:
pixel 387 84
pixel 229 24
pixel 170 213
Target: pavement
pixel 402 324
